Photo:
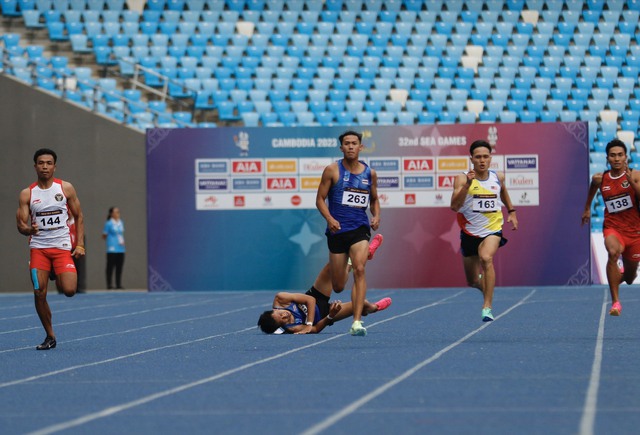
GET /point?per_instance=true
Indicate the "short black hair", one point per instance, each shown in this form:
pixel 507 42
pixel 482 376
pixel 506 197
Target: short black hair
pixel 267 323
pixel 616 143
pixel 479 144
pixel 350 133
pixel 43 151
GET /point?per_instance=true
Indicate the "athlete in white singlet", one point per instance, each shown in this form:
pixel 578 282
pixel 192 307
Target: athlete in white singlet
pixel 478 197
pixel 43 213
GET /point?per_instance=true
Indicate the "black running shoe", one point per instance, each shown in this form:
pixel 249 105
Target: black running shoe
pixel 48 343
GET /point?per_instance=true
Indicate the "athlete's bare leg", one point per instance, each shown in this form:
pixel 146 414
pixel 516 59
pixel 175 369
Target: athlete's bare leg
pixel 614 277
pixel 472 271
pixel 42 306
pixel 68 282
pixel 630 271
pixel 486 251
pixel 359 253
pixel 323 281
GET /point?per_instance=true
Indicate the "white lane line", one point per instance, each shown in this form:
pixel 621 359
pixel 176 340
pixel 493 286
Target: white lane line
pixel 591 401
pixel 350 409
pixel 142 328
pixel 143 400
pixel 116 316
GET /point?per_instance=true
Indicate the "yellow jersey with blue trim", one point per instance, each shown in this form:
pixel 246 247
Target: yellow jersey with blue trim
pixel 481 213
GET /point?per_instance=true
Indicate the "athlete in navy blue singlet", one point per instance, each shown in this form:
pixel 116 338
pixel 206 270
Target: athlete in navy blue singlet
pixel 347 189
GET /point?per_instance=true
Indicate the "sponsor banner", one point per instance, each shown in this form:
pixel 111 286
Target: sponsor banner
pixel 212 166
pixel 521 180
pixel 281 166
pixel 445 182
pixel 282 183
pixel 309 183
pixel 524 162
pixel 453 164
pixel 389 182
pixel 497 163
pixel 384 165
pixel 247 184
pixel 247 166
pixel 208 184
pixel 525 197
pixel 418 164
pixel 313 166
pixel 413 182
pixel 214 202
pixel 256 201
pixel 259 184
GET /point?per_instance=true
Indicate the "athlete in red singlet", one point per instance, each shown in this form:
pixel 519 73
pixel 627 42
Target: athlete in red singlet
pixel 620 189
pixel 44 210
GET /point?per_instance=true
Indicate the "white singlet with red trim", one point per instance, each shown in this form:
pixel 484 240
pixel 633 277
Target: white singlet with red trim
pixel 50 212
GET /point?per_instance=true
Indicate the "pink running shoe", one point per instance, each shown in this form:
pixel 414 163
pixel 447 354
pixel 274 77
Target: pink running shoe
pixel 616 309
pixel 383 304
pixel 375 244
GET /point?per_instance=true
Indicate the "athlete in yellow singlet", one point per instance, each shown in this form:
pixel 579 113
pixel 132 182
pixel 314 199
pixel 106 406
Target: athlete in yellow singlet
pixel 478 197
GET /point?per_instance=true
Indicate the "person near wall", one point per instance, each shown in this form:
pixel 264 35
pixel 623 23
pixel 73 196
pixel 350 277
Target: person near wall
pixel 113 234
pixel 44 210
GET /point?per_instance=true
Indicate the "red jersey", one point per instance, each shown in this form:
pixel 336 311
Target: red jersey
pixel 621 205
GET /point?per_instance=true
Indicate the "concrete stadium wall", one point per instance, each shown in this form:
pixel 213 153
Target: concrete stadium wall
pixel 103 160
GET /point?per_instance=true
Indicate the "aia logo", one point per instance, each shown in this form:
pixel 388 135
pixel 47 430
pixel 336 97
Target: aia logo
pixel 246 167
pixel 296 200
pixel 282 183
pixel 414 165
pixel 410 198
pixel 446 181
pixel 239 201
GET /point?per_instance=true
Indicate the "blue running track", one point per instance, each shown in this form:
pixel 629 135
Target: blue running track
pixel 552 362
